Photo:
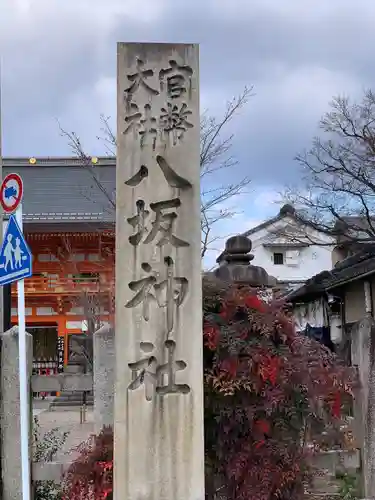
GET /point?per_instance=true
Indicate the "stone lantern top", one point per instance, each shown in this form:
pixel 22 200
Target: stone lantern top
pixel 236 266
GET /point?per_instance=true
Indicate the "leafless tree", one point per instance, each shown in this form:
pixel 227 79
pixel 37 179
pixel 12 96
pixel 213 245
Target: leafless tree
pixel 215 155
pixel 337 196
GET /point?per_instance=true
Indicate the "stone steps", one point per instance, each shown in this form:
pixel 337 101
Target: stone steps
pixel 323 496
pixel 72 398
pixel 325 484
pixel 68 398
pixel 68 404
pixel 323 487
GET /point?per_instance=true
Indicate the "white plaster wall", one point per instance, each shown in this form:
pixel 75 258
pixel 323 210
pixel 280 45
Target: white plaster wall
pixel 312 259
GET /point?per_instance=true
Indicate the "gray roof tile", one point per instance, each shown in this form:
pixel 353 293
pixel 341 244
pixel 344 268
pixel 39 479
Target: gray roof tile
pixel 65 189
pixel 354 267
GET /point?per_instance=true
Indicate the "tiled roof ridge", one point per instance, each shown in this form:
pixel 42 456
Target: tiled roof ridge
pixel 56 161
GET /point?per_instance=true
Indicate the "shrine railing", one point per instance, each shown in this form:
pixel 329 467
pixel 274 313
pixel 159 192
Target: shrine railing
pixel 41 285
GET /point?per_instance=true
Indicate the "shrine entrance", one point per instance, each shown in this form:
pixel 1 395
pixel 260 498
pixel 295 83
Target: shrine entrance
pixel 45 355
pixel 44 341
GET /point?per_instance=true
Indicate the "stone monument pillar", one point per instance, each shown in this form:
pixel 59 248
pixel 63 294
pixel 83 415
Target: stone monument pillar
pixel 159 440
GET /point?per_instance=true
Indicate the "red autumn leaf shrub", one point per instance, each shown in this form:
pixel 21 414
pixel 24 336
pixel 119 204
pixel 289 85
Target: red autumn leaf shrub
pixel 90 476
pixel 262 425
pixel 263 384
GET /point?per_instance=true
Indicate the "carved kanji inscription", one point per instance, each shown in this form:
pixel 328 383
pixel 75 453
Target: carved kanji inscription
pixel 171 176
pixel 141 79
pixel 174 121
pixel 138 177
pixel 145 125
pixel 162 225
pixel 144 371
pixel 176 79
pixel 168 293
pixel 148 372
pixel 138 222
pixel 143 289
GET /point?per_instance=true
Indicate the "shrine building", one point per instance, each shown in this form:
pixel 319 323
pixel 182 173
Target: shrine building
pixel 68 218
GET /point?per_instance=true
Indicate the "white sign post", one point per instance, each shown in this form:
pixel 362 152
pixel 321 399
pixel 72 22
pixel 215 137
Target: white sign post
pixel 24 396
pixel 15 265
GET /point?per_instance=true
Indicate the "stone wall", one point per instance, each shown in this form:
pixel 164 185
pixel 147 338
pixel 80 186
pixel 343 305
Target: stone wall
pixel 104 377
pixel 363 356
pixel 10 412
pixel 354 302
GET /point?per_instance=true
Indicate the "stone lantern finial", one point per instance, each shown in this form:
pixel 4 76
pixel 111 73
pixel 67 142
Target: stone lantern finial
pixel 237 267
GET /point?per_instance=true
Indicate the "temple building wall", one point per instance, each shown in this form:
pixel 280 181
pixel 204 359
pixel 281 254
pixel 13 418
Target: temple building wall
pixel 73 279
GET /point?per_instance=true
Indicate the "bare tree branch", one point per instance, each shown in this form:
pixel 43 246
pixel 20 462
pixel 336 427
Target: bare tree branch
pixel 214 148
pixel 86 162
pixel 215 156
pixel 337 197
pixel 107 135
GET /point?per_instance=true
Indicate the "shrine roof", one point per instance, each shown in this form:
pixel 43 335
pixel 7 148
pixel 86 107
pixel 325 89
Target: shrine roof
pixel 66 189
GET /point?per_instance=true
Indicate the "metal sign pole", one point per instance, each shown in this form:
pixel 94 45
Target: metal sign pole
pixel 24 399
pixel 16 265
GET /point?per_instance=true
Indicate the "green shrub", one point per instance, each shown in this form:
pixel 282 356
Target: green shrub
pixel 44 450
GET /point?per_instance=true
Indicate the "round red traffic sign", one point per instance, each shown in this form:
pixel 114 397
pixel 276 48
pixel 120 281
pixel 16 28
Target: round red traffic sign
pixel 11 193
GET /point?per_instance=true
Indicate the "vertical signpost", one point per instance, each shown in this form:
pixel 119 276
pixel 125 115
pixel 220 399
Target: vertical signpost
pixel 15 265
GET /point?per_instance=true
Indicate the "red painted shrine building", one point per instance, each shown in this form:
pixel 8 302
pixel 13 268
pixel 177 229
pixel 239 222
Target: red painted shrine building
pixel 69 220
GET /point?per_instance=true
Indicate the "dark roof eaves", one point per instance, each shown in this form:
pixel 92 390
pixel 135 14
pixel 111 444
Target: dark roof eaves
pixel 68 226
pixel 339 278
pixel 357 272
pixel 303 295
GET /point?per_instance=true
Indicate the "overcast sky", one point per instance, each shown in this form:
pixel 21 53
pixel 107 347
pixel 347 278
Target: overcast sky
pixel 59 62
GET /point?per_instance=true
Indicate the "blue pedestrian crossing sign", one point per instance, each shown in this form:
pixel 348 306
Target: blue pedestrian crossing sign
pixel 15 255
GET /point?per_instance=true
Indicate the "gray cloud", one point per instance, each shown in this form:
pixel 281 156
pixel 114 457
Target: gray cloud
pixel 59 62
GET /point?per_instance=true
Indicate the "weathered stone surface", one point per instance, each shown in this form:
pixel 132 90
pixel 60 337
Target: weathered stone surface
pixel 337 460
pixel 159 450
pixel 10 412
pixel 236 267
pixel 49 471
pixel 62 382
pixel 104 377
pixel 363 356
